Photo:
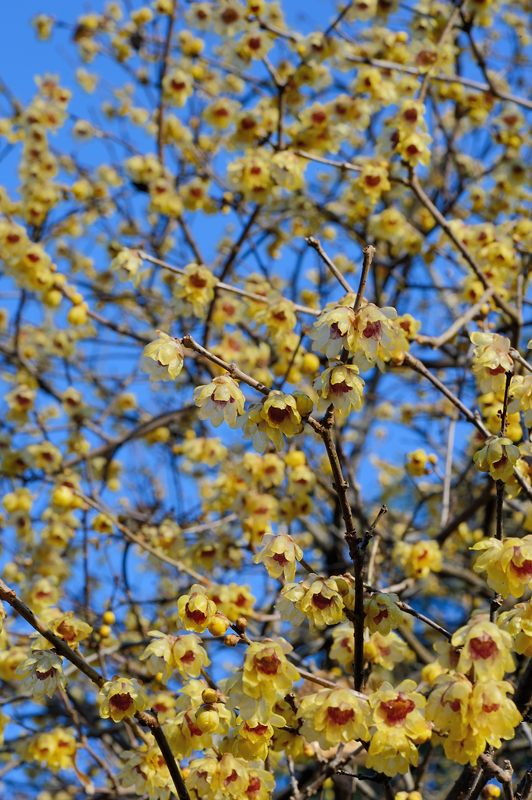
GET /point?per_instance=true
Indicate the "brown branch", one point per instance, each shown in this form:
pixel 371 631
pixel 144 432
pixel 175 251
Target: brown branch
pixel 440 77
pixel 436 214
pixel 164 68
pixel 316 245
pixel 369 254
pixel 447 29
pixel 500 484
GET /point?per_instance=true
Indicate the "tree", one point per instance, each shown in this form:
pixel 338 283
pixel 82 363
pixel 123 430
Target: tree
pixel 265 452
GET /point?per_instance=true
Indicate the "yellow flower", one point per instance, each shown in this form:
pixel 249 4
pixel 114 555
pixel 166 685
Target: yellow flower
pixel 491 360
pixel 280 415
pixel 43 25
pixel 400 725
pixel 219 401
pixel 252 175
pixel 485 649
pixel 279 555
pixel 386 650
pixel 127 264
pixel 498 457
pixel 382 613
pixel 253 45
pixel 377 337
pixel 373 179
pixel 195 610
pixel 334 329
pixel 120 698
pixel 521 397
pixel 343 647
pixel 332 716
pixel 469 716
pixel 195 289
pixel 145 771
pixel 288 170
pixel 56 749
pixel 321 601
pixel 448 705
pixel 518 623
pixel 177 87
pixel 418 559
pixel 267 672
pixel 278 316
pixel 254 739
pixel 164 358
pixel 507 564
pixel 418 462
pixel 168 653
pixel 340 386
pixel 42 673
pixel 493 715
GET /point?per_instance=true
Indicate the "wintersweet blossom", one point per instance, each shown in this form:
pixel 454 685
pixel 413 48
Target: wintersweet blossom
pixel 491 360
pixel 340 386
pixel 164 358
pixel 279 555
pixel 267 672
pixel 498 457
pixel 42 673
pixel 167 653
pixel 485 650
pixel 220 401
pixel 120 698
pixel 332 716
pixel 400 725
pixel 507 564
pixel 196 611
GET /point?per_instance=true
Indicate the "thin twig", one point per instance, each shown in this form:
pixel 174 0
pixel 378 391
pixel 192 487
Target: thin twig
pixel 369 253
pixel 316 245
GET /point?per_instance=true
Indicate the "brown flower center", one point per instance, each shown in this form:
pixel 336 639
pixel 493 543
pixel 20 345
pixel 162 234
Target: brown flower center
pixel 340 716
pixel 397 710
pixel 482 647
pixel 268 665
pixel 122 701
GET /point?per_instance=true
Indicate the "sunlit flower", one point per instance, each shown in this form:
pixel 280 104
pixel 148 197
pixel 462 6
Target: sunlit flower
pixel 332 716
pixel 279 555
pixel 400 726
pixel 498 457
pixel 507 564
pixel 220 401
pixel 120 698
pixel 164 358
pixel 485 649
pixel 491 360
pixel 340 386
pixel 42 673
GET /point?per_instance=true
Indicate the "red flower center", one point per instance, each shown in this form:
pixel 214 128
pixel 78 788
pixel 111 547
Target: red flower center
pixel 320 601
pixel 278 415
pixel 42 676
pixel 397 710
pixel 268 665
pixel 372 330
pixel 340 716
pixel 482 647
pixel 122 701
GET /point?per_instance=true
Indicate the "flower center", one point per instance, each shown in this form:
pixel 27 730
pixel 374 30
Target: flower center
pixel 122 701
pixel 340 716
pixel 397 710
pixel 482 647
pixel 268 665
